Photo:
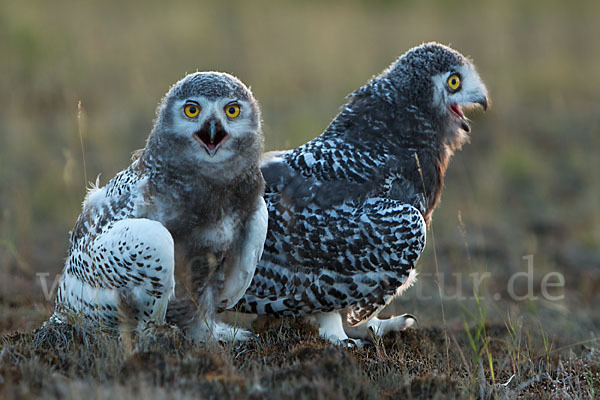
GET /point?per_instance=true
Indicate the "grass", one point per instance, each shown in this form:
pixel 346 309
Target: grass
pixel 288 360
pixel 81 81
pixel 479 342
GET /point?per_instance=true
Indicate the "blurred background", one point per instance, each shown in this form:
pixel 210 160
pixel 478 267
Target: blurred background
pixel 80 82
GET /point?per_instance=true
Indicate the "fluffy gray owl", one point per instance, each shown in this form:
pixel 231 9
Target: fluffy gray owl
pixel 348 210
pixel 191 201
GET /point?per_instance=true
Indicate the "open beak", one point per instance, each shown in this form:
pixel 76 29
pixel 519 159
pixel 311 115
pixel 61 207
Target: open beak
pixel 211 136
pixel 456 110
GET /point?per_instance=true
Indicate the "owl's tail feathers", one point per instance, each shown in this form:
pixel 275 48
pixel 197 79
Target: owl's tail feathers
pixel 371 305
pixel 360 314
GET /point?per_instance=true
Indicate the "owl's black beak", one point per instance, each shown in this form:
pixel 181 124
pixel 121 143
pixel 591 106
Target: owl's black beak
pixel 483 102
pixel 211 136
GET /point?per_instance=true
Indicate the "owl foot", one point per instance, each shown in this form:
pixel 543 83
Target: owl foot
pixel 377 328
pixel 154 330
pixel 153 337
pixel 226 333
pixel 207 331
pixel 331 328
pixel 381 327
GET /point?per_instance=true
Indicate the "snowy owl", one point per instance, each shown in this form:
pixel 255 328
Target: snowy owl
pixel 348 210
pixel 189 205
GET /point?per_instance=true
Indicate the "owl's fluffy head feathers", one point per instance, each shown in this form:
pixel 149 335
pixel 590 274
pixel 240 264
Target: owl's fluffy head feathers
pixel 208 122
pixel 416 93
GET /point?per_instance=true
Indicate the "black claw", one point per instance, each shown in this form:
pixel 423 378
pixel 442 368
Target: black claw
pixel 406 316
pixel 355 343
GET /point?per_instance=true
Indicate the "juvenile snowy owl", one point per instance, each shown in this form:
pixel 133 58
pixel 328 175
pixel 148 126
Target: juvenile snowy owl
pixel 191 202
pixel 348 210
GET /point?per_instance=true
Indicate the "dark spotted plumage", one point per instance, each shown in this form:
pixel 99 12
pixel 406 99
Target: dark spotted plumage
pixel 348 210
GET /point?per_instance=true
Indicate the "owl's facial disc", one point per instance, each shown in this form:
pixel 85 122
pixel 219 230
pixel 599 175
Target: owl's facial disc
pixel 211 136
pixel 459 89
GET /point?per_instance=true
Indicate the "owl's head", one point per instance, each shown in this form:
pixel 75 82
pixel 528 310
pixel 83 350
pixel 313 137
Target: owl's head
pixel 424 93
pixel 442 83
pixel 209 119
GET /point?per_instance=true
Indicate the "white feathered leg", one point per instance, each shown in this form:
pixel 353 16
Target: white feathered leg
pixel 129 277
pixel 331 328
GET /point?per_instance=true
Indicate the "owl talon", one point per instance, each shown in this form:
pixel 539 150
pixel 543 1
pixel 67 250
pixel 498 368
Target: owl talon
pixel 350 343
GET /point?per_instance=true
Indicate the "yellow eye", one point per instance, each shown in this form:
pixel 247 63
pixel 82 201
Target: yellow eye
pixel 232 110
pixel 191 110
pixel 454 82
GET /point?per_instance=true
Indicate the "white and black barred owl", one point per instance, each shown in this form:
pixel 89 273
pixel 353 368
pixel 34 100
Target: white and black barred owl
pixel 348 210
pixel 190 202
